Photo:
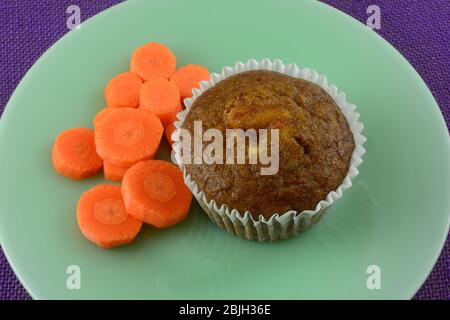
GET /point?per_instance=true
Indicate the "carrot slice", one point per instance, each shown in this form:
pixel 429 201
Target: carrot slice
pixel 188 78
pixel 123 136
pixel 154 191
pixel 123 90
pixel 161 97
pixel 103 219
pixel 101 113
pixel 173 116
pixel 113 172
pixel 74 154
pixel 153 60
pixel 168 131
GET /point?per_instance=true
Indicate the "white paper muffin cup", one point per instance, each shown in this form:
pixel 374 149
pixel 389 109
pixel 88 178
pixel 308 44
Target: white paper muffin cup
pixel 290 223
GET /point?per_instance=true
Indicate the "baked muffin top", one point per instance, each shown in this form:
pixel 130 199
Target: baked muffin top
pixel 315 142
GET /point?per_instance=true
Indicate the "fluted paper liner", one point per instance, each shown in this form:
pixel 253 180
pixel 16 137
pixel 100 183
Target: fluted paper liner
pixel 290 223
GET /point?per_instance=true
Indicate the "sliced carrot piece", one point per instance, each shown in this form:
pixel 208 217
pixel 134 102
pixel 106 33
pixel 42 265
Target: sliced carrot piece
pixel 123 90
pixel 101 113
pixel 113 172
pixel 74 154
pixel 161 97
pixel 153 60
pixel 168 131
pixel 123 136
pixel 154 191
pixel 188 77
pixel 103 219
pixel 173 116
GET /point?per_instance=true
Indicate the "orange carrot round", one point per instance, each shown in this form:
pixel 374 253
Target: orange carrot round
pixel 154 191
pixel 101 113
pixel 168 132
pixel 123 90
pixel 74 154
pixel 103 219
pixel 188 77
pixel 153 60
pixel 173 116
pixel 161 97
pixel 124 136
pixel 113 172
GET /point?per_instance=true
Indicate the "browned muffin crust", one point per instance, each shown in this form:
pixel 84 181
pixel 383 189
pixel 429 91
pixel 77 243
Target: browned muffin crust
pixel 316 143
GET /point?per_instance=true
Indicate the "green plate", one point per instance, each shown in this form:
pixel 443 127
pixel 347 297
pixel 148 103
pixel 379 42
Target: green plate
pixel 396 216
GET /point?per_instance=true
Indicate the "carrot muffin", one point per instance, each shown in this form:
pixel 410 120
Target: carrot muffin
pixel 315 143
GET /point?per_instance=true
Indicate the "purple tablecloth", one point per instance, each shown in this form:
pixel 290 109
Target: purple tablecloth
pixel 420 30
